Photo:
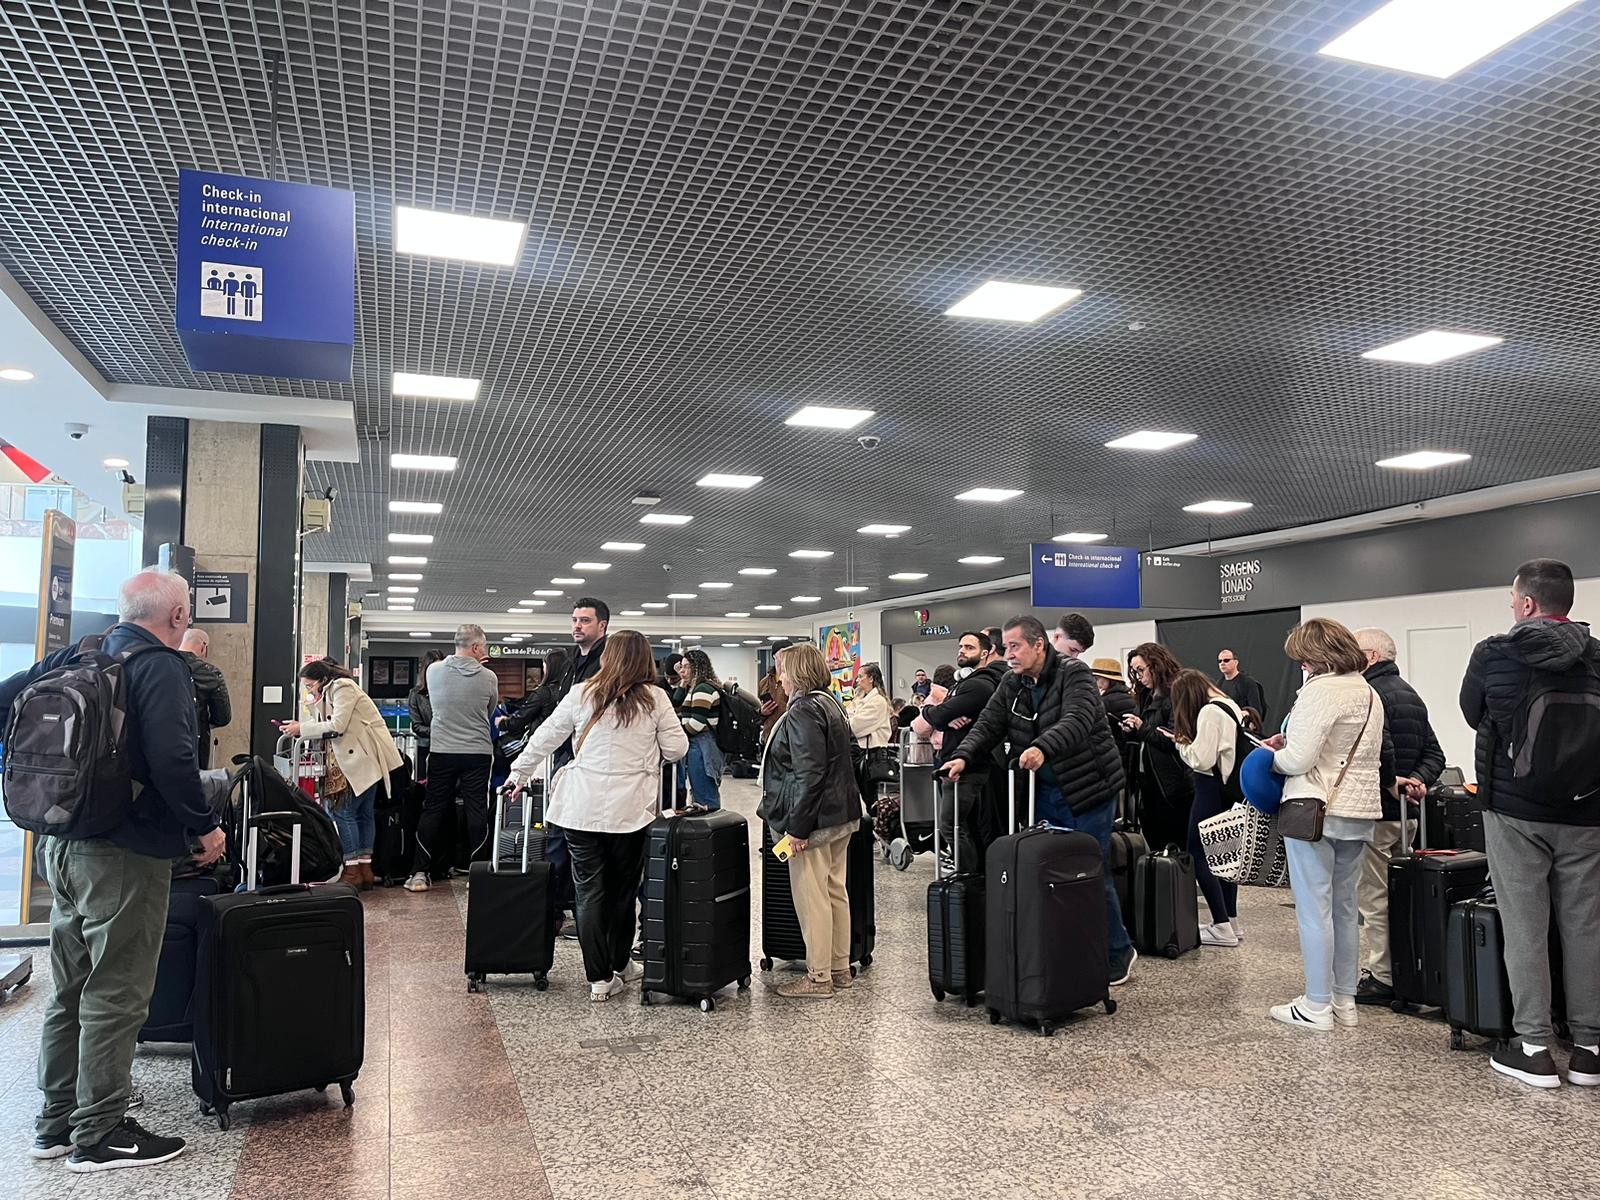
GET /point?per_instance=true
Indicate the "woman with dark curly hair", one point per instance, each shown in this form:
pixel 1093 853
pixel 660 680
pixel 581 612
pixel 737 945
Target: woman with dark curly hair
pixel 1166 785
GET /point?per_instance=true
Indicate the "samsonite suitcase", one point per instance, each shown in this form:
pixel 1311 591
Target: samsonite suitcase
pixel 509 930
pixel 1422 888
pixel 280 995
pixel 171 1016
pixel 1166 913
pixel 696 905
pixel 1046 954
pixel 1477 991
pixel 955 917
pixel 781 939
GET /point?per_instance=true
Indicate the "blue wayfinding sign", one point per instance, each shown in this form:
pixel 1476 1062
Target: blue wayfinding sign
pixel 266 276
pixel 1084 576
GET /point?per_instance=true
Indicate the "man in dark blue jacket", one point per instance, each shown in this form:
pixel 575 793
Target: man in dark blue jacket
pixel 110 894
pixel 981 811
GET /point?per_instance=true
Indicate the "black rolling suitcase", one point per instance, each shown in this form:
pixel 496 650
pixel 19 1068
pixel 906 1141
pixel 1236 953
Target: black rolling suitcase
pixel 280 992
pixel 509 926
pixel 1127 848
pixel 1477 995
pixel 1046 952
pixel 781 939
pixel 1422 888
pixel 1166 913
pixel 696 905
pixel 171 1017
pixel 955 917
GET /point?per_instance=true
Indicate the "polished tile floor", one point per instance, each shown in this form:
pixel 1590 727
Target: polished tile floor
pixel 1188 1091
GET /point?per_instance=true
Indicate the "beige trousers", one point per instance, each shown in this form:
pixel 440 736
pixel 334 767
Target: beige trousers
pixel 1373 897
pixel 816 879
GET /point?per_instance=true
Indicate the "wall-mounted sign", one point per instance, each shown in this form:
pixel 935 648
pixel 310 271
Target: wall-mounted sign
pixel 1237 578
pixel 498 651
pixel 266 276
pixel 1084 576
pixel 1183 581
pixel 55 583
pixel 221 597
pixel 926 626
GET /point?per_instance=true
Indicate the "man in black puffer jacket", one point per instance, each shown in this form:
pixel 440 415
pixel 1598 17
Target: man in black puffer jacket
pixel 1417 763
pixel 981 811
pixel 1050 711
pixel 1533 695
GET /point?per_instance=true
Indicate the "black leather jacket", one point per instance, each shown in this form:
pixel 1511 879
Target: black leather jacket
pixel 808 782
pixel 420 708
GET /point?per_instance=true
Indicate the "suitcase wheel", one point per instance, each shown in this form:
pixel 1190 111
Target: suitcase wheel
pixel 224 1122
pixel 970 1001
pixel 347 1094
pixel 938 992
pixel 1458 1040
pixel 901 854
pixel 541 983
pixel 766 964
pixel 475 982
pixel 644 999
pixel 744 984
pixel 1046 1029
pixel 1171 951
pixel 866 961
pixel 707 1004
pixel 994 1016
pixel 1111 1006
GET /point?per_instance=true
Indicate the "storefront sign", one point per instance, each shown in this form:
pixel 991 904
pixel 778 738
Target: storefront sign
pixel 55 583
pixel 498 651
pixel 1237 578
pixel 266 276
pixel 926 626
pixel 221 597
pixel 1084 576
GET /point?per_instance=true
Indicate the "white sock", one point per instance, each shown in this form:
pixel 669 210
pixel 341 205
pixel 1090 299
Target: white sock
pixel 1530 1049
pixel 1311 1006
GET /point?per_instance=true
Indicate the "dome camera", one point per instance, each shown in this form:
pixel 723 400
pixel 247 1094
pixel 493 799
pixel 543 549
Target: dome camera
pixel 868 441
pixel 77 432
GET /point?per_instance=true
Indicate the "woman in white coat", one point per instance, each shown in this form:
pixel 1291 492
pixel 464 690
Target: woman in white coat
pixel 871 724
pixel 622 728
pixel 365 752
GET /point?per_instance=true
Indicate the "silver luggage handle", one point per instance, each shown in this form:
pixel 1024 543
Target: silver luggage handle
pixel 1011 794
pixel 955 833
pixel 669 802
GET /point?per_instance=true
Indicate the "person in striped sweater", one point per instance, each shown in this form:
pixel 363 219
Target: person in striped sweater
pixel 699 709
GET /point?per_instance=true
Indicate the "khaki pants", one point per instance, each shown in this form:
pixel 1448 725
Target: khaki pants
pixel 816 880
pixel 1373 895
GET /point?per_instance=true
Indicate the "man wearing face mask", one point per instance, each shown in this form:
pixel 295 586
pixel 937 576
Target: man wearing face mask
pixel 982 799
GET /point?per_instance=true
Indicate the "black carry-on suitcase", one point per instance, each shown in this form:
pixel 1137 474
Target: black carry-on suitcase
pixel 1166 913
pixel 955 917
pixel 1127 848
pixel 280 994
pixel 696 905
pixel 1423 886
pixel 509 926
pixel 1046 951
pixel 171 1017
pixel 1477 991
pixel 781 939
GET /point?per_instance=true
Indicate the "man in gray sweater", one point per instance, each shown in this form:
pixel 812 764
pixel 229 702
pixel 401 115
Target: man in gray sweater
pixel 460 750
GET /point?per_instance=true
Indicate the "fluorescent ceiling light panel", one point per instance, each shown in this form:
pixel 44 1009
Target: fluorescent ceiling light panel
pixel 713 587
pixel 850 589
pixel 547 592
pixel 114 463
pixel 407 560
pixel 633 612
pixel 533 603
pixel 425 507
pixel 885 530
pixel 990 495
pixel 736 614
pixel 1218 508
pixel 1438 38
pixel 415 539
pixel 998 301
pixel 811 554
pixel 451 235
pixel 15 374
pixel 804 599
pixel 421 633
pixel 908 576
pixel 1151 439
pixel 405 575
pixel 769 608
pixel 1079 537
pixel 434 387
pixel 517 610
pixel 568 581
pixel 423 462
pixel 402 589
pixel 655 604
pixel 1423 460
pixel 758 570
pixel 981 560
pixel 623 547
pixel 1433 346
pixel 683 596
pixel 730 645
pixel 660 518
pixel 822 417
pixel 589 566
pixel 717 479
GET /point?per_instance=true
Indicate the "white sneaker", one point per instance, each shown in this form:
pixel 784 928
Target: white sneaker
pixel 1346 1014
pixel 633 972
pixel 603 991
pixel 418 882
pixel 1238 930
pixel 1300 1014
pixel 1218 935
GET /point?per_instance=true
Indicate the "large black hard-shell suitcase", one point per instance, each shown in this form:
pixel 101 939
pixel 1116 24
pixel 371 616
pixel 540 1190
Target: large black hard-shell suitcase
pixel 1422 889
pixel 697 906
pixel 1166 913
pixel 955 917
pixel 509 926
pixel 781 940
pixel 1477 995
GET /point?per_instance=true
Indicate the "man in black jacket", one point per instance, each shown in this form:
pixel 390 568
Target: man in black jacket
pixel 1049 710
pixel 1533 695
pixel 590 620
pixel 212 708
pixel 1417 763
pixel 953 717
pixel 1244 690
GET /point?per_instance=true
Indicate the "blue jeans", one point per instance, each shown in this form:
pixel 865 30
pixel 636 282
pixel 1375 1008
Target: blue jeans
pixel 358 827
pixel 1222 897
pixel 704 764
pixel 1052 809
pixel 1323 876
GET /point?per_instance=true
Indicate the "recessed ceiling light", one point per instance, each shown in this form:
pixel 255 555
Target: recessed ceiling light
pixel 567 581
pixel 421 633
pixel 516 610
pixel 1434 346
pixel 981 560
pixel 823 417
pixel 752 641
pixel 758 570
pixel 990 495
pixel 402 588
pixel 590 566
pixel 655 604
pixel 647 498
pixel 727 481
pixel 623 547
pixel 451 235
pixel 776 637
pixel 15 374
pixel 633 612
pixel 769 608
pixel 533 603
pixel 683 596
pixel 434 387
pixel 997 301
pixel 1079 537
pixel 1422 460
pixel 1437 38
pixel 547 592
pixel 850 588
pixel 406 575
pixel 1218 508
pixel 114 463
pixel 400 601
pixel 426 507
pixel 1151 439
pixel 423 462
pixel 407 560
pixel 712 587
pixel 417 539
pixel 908 576
pixel 736 614
pixel 885 530
pixel 804 599
pixel 811 554
pixel 660 518
pixel 730 645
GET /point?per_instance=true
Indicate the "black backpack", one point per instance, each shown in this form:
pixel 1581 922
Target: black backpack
pixel 66 747
pixel 739 723
pixel 1555 735
pixel 1232 789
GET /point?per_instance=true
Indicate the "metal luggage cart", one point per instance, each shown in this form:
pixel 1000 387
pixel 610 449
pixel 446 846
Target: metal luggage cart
pixel 304 763
pixel 918 809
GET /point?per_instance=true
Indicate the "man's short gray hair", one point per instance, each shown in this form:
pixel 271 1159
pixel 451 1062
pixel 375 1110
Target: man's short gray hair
pixel 197 639
pixel 470 635
pixel 1379 642
pixel 151 595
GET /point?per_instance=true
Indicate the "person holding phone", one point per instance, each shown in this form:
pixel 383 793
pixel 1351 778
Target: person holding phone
pixel 1165 784
pixel 1206 725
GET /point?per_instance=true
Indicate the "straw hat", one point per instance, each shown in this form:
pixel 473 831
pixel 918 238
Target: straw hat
pixel 1107 668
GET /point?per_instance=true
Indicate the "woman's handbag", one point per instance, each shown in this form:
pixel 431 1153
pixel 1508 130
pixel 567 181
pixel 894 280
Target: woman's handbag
pixel 1243 846
pixel 879 765
pixel 1301 817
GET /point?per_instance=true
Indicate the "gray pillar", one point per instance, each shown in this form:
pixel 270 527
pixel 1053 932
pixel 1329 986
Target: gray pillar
pixel 276 663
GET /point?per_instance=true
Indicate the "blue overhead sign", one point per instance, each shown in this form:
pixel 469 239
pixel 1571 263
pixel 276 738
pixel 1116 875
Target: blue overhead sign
pixel 266 276
pixel 1084 576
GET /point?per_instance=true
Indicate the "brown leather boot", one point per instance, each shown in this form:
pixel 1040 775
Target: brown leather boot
pixel 368 879
pixel 351 875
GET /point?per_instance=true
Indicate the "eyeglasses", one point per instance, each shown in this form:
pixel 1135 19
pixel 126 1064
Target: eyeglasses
pixel 1141 670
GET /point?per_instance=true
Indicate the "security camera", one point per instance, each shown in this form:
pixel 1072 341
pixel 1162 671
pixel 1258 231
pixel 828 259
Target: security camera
pixel 868 441
pixel 77 432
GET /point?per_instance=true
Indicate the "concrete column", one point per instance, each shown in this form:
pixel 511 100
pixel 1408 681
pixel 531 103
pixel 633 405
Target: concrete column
pixel 314 617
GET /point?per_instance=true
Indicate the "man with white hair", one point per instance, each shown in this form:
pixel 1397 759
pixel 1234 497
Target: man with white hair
pixel 110 891
pixel 464 693
pixel 212 707
pixel 1417 763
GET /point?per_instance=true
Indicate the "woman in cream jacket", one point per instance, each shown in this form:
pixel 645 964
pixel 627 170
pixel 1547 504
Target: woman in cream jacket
pixel 871 723
pixel 365 751
pixel 1336 725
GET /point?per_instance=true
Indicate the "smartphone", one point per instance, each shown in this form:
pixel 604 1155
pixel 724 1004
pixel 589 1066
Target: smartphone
pixel 1164 729
pixel 783 848
pixel 1257 741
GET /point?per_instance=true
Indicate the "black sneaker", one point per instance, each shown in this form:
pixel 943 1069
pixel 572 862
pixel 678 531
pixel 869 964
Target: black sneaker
pixel 1535 1070
pixel 1122 968
pixel 128 1145
pixel 1373 990
pixel 51 1145
pixel 1583 1068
